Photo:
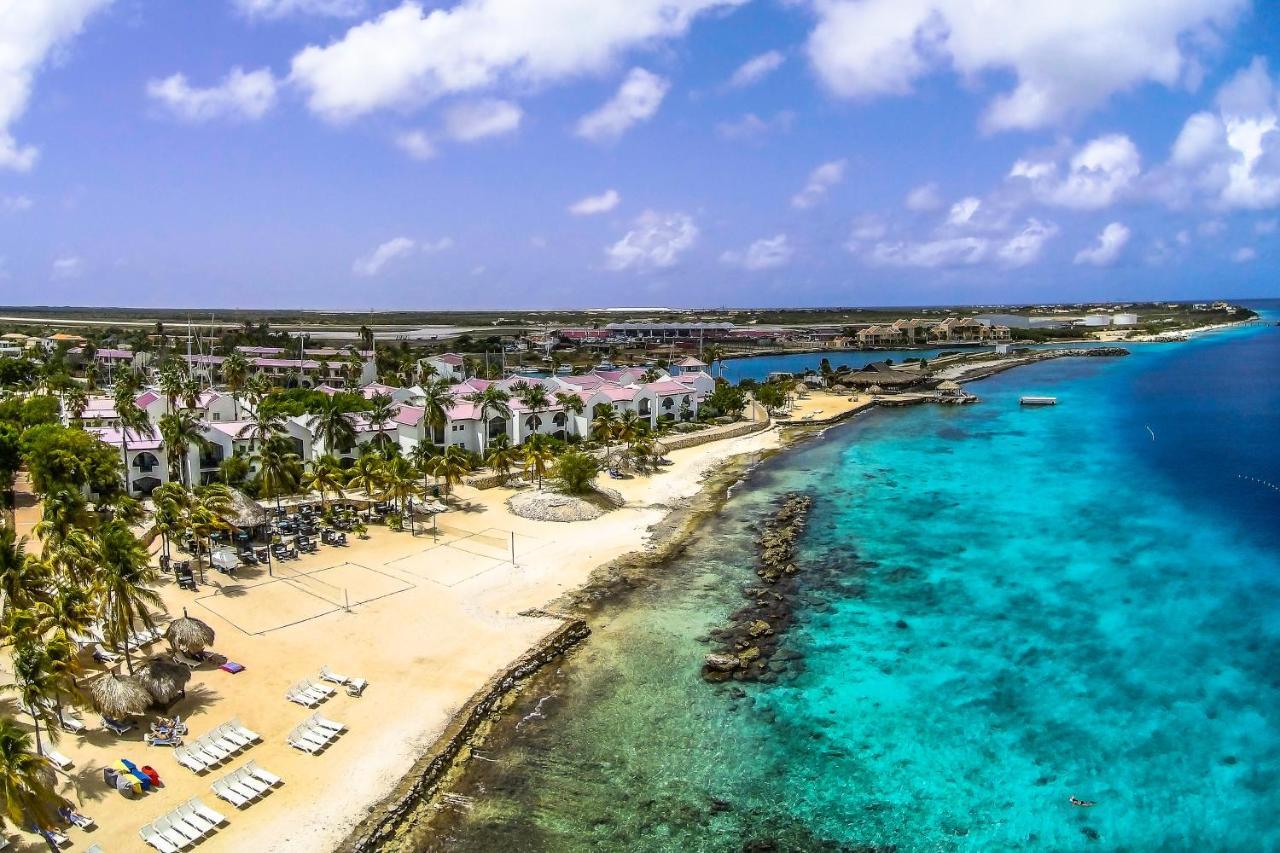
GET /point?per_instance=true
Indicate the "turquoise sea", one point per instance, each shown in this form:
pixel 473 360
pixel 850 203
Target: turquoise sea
pixel 1001 608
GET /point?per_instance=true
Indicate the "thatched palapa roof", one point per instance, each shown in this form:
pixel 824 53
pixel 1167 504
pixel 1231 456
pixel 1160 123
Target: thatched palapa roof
pixel 882 375
pixel 119 696
pixel 164 680
pixel 244 512
pixel 188 634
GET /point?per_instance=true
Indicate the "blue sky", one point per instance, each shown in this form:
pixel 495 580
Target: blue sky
pixel 506 153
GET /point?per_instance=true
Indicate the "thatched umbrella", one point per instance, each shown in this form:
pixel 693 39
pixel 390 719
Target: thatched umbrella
pixel 164 679
pixel 188 634
pixel 119 696
pixel 244 513
pixel 875 389
pixel 947 386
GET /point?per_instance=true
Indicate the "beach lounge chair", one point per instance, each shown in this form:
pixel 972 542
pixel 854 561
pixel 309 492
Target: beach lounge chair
pixel 298 740
pixel 163 740
pixel 186 659
pixel 119 727
pixel 190 760
pixel 240 727
pixel 226 792
pixel 209 756
pixel 205 812
pixel 191 818
pixel 59 760
pixel 74 818
pixel 249 793
pixel 173 829
pixel 101 655
pixel 71 724
pixel 303 698
pixel 265 775
pixel 326 723
pixel 214 748
pixel 248 780
pixel 227 733
pixel 319 689
pixel 165 840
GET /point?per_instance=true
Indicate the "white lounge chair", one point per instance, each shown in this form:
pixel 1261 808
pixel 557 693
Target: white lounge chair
pixel 175 839
pixel 226 733
pixel 248 780
pixel 326 723
pixel 240 727
pixel 153 837
pixel 184 658
pixel 317 736
pixel 58 837
pixel 189 759
pixel 225 791
pixel 319 689
pixel 59 760
pixel 205 812
pixel 265 775
pixel 71 724
pixel 188 831
pixel 189 816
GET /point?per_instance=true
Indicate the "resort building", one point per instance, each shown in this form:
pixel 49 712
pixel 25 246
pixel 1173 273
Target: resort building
pixel 449 366
pixel 148 462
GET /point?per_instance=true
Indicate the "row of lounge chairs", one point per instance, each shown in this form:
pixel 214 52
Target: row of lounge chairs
pixel 314 733
pixel 96 638
pixel 242 787
pixel 215 747
pixel 355 686
pixel 183 827
pixel 308 693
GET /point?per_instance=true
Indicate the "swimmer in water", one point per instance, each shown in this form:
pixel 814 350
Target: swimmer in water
pixel 1082 803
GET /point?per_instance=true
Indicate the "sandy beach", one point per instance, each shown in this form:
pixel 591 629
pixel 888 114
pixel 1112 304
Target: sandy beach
pixel 431 617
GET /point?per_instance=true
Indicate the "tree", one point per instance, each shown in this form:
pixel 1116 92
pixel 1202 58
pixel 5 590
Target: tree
pixel 180 430
pixel 381 410
pixel 173 503
pixel 366 474
pixel 536 400
pixel 279 469
pixel 76 401
pixel 570 402
pixel 352 370
pixel 771 395
pixel 235 373
pixel 451 466
pixel 125 582
pixel 333 425
pixel 437 398
pixel 577 471
pixel 22 575
pixel 714 353
pixel 727 399
pixel 325 476
pixel 502 457
pixel 604 425
pixel 537 458
pixel 61 457
pixel 265 425
pixel 27 781
pixel 36 686
pixel 491 399
pixel 133 419
pixel 170 382
pixel 421 455
pixel 399 481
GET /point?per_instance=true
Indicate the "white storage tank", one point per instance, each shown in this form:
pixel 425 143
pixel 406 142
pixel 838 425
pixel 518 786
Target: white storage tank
pixel 1125 319
pixel 1096 320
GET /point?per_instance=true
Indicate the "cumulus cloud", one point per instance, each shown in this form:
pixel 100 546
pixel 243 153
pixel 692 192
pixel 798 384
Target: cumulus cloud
pixel 593 204
pixel 1244 255
pixel 924 198
pixel 29 33
pixel 1230 155
pixel 477 119
pixel 67 267
pixel 284 8
pixel 756 69
pixel 1111 240
pixel 866 227
pixel 765 253
pixel 636 100
pixel 1015 248
pixel 1066 58
pixel 1096 175
pixel 240 95
pixel 821 179
pixel 410 55
pixel 655 241
pixel 394 249
pixel 750 126
pixel 15 203
pixel 416 144
pixel 962 212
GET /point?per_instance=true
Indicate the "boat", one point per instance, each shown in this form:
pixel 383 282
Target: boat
pixel 1038 401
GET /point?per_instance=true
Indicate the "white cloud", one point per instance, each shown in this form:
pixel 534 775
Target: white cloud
pixel 15 203
pixel 29 33
pixel 636 100
pixel 1097 175
pixel 67 267
pixel 866 227
pixel 751 126
pixel 410 55
pixel 240 95
pixel 1011 249
pixel 593 204
pixel 925 197
pixel 1111 240
pixel 655 241
pixel 1266 226
pixel 372 263
pixel 283 8
pixel 430 247
pixel 1231 155
pixel 1025 247
pixel 416 144
pixel 1244 255
pixel 765 253
pixel 478 119
pixel 756 69
pixel 821 179
pixel 962 212
pixel 1066 58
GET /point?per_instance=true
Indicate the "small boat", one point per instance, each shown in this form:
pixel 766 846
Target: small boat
pixel 1038 401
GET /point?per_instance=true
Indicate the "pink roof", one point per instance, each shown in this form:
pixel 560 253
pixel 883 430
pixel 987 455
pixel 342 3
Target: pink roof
pixel 667 386
pixel 464 411
pixel 690 361
pixel 306 364
pixel 409 415
pixel 228 428
pixel 327 389
pixel 376 388
pixel 115 438
pixel 617 393
pixel 584 380
pixel 146 398
pixel 204 359
pixel 450 358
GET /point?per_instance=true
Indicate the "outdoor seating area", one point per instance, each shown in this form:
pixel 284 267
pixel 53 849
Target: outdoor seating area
pixel 242 787
pixel 355 686
pixel 188 824
pixel 314 734
pixel 308 693
pixel 215 747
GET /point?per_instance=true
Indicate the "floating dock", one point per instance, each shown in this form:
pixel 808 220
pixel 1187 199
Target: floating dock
pixel 1038 401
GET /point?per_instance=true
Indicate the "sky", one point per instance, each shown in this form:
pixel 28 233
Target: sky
pixel 378 154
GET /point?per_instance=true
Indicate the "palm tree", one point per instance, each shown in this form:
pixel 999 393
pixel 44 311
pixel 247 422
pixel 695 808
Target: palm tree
pixel 535 399
pixel 180 430
pixel 133 419
pixel 191 390
pixel 502 457
pixel 537 458
pixel 491 399
pixel 36 686
pixel 69 608
pixel 279 469
pixel 173 503
pixel 366 474
pixel 170 382
pixel 604 425
pixel 421 455
pixel 451 466
pixel 714 353
pixel 22 575
pixel 570 402
pixel 333 425
pixel 27 781
pixel 399 481
pixel 437 399
pixel 265 425
pixel 352 369
pixel 381 410
pixel 207 513
pixel 257 389
pixel 629 427
pixel 325 476
pixel 76 401
pixel 235 373
pixel 125 582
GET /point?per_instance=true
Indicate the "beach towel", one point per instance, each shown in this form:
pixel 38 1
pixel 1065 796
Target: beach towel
pixel 232 667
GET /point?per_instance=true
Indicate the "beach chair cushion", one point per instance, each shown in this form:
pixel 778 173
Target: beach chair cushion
pixel 232 667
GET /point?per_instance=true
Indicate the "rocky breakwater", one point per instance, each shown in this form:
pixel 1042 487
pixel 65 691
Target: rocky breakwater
pixel 747 646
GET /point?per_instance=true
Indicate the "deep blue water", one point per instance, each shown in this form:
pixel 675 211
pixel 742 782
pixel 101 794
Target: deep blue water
pixel 1002 608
